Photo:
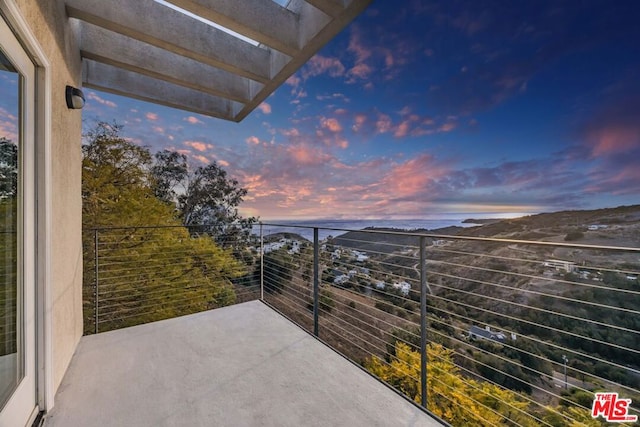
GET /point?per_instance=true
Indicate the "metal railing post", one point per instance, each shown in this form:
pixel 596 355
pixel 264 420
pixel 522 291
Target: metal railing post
pixel 423 320
pixel 261 264
pixel 95 254
pixel 316 281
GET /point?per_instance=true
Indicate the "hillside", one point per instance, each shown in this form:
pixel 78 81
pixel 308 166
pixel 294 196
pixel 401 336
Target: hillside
pixel 620 226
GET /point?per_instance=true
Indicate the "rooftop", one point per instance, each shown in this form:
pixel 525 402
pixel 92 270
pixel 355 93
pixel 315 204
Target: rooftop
pixel 233 366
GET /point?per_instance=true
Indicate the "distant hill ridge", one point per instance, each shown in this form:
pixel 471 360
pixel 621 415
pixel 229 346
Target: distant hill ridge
pixel 553 226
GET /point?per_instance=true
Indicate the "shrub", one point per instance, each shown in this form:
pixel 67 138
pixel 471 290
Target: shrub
pixel 573 235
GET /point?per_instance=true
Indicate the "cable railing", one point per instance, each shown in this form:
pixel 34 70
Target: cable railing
pixel 477 331
pixel 136 275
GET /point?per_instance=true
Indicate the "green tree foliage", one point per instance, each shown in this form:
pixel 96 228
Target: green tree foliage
pixel 8 169
pixel 145 274
pixel 203 196
pixel 8 244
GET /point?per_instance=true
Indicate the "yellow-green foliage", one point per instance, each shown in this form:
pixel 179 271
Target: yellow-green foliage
pixel 463 401
pixel 145 274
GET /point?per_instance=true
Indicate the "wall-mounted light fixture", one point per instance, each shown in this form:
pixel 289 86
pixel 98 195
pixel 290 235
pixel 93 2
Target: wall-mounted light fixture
pixel 75 98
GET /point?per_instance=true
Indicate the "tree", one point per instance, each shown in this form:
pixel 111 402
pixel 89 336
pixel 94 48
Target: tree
pixel 146 273
pixel 464 401
pixel 204 197
pixel 8 169
pixel 8 244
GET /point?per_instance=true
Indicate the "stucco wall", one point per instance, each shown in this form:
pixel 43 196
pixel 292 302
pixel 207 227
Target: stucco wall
pixel 48 22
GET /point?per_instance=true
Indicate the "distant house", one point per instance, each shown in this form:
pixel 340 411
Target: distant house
pixel 360 256
pixel 404 287
pixel 341 279
pixel 478 333
pixel 560 265
pixel 595 227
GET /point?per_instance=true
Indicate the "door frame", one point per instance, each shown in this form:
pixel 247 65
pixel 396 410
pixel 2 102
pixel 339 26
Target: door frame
pixel 43 178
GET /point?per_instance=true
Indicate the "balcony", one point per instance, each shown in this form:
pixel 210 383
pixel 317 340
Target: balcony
pixel 235 366
pixel 469 329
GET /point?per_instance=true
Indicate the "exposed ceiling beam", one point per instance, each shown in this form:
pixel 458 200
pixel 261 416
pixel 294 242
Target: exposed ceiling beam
pixel 330 7
pixel 133 85
pixel 169 29
pixel 169 52
pixel 108 47
pixel 263 21
pixel 319 39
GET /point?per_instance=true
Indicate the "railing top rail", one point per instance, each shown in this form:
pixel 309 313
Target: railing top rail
pixel 469 238
pixel 136 227
pixel 397 233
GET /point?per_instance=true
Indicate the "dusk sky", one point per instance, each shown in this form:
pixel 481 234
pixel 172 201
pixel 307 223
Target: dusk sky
pixel 425 108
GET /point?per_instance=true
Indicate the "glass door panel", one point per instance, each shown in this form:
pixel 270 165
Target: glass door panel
pixel 17 225
pixel 11 367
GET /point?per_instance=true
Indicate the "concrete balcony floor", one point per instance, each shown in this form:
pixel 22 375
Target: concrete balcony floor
pixel 243 365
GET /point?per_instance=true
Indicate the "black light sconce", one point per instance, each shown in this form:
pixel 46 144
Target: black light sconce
pixel 75 98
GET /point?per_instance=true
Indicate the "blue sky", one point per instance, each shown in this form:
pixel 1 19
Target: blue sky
pixel 421 108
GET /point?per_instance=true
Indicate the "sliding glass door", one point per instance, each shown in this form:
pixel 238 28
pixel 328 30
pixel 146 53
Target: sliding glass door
pixel 17 278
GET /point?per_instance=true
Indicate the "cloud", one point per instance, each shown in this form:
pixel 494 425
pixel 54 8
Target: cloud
pixel 223 163
pixel 333 96
pixel 319 65
pixel 307 155
pixel 413 178
pixel 383 123
pixel 253 140
pixel 151 116
pixel 265 108
pixel 331 124
pixel 361 71
pixel 198 145
pixel 201 159
pixel 193 120
pixel 94 97
pixel 8 125
pixel 293 80
pixel 358 121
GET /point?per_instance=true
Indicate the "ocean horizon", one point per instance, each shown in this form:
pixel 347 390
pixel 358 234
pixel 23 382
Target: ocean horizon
pixel 335 228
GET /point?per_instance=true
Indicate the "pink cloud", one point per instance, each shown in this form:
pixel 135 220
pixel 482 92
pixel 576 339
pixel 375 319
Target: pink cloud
pixel 198 146
pixel 151 116
pixel 413 177
pixel 356 46
pixel 202 159
pixel 8 125
pixel 614 140
pixel 253 140
pixel 306 155
pixel 358 121
pixel 291 133
pixel 94 97
pixel 383 124
pixel 402 130
pixel 223 163
pixel 265 108
pixel 331 124
pixel 293 80
pixel 193 120
pixel 361 71
pixel 319 64
pixel 447 127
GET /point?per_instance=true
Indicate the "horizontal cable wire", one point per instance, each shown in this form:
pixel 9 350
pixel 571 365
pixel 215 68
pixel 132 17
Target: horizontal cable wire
pixel 366 320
